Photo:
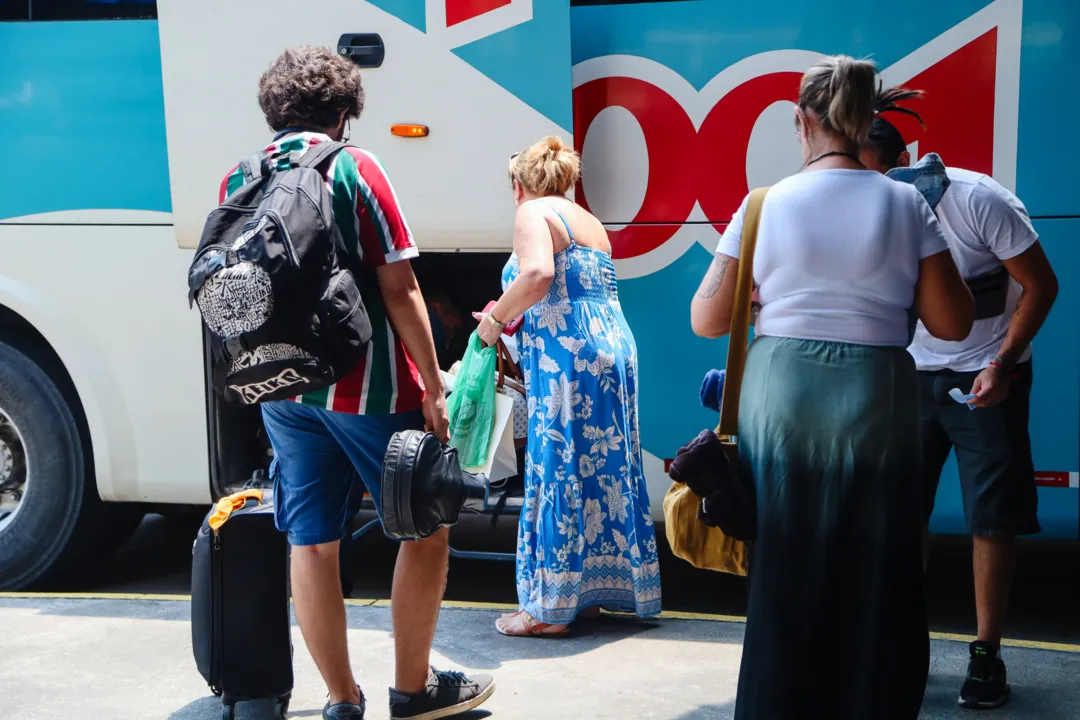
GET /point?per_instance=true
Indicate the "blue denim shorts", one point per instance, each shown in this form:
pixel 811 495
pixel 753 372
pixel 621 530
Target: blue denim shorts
pixel 323 462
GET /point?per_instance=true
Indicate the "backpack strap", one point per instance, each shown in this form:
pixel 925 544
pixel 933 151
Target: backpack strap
pixel 314 156
pixel 254 166
pixel 319 153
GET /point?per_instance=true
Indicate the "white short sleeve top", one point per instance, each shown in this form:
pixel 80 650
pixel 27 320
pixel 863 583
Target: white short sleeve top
pixel 837 256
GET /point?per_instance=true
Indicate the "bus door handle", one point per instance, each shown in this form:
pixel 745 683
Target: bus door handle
pixel 366 50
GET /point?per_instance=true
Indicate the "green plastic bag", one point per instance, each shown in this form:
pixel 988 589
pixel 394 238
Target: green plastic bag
pixel 471 407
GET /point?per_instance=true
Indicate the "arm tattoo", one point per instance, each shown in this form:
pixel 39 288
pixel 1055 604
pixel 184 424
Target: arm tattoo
pixel 714 278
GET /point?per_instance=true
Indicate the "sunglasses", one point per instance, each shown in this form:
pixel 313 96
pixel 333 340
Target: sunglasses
pixel 512 157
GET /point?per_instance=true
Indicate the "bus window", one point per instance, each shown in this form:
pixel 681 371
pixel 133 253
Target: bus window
pixel 14 10
pixel 92 9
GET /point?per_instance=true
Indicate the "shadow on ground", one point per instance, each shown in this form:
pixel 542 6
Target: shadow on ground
pixel 613 667
pixel 158 560
pixel 710 712
pixel 467 638
pixel 209 708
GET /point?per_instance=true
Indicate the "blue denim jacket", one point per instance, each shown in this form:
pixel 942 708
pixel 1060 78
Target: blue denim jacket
pixel 928 176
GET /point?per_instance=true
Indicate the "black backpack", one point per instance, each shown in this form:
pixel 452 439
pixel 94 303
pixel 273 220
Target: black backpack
pixel 272 281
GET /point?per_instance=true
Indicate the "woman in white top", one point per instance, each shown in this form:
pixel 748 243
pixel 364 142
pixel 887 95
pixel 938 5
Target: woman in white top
pixel 829 424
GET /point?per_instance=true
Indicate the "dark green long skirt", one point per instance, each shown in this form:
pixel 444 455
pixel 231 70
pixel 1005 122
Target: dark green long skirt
pixel 836 626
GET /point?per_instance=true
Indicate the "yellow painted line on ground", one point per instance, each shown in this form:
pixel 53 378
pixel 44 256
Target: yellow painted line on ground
pixel 705 617
pixel 1008 642
pixel 480 606
pixel 462 605
pixel 92 596
pixel 447 604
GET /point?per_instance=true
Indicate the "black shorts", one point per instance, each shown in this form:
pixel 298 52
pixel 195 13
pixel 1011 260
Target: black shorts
pixel 993 452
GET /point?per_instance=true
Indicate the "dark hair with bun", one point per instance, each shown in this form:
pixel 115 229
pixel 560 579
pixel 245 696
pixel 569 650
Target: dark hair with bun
pixel 884 138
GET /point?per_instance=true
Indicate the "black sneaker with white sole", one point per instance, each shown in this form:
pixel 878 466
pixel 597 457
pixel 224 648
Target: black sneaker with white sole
pixel 986 686
pixel 447 694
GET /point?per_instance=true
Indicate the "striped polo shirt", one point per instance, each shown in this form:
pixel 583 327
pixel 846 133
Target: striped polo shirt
pixel 367 211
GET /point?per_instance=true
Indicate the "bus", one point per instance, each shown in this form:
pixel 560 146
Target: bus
pixel 120 117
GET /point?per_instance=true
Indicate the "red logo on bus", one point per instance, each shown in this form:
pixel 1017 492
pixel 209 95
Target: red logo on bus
pixel 701 160
pixel 458 11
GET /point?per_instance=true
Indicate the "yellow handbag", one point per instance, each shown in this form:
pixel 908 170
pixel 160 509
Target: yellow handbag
pixel 691 539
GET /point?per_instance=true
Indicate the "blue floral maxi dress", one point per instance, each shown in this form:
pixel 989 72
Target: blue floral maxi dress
pixel 586 536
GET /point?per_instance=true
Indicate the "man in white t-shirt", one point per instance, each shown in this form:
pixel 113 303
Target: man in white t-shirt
pixel 998 253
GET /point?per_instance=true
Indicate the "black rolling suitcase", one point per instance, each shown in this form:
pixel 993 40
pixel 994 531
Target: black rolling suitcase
pixel 240 625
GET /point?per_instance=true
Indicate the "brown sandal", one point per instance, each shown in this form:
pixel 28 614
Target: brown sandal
pixel 528 626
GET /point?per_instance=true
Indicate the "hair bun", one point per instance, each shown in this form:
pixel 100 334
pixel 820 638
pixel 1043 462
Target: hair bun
pixel 842 92
pixel 552 146
pixel 547 167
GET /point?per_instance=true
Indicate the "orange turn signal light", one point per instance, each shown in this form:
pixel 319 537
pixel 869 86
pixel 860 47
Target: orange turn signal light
pixel 409 130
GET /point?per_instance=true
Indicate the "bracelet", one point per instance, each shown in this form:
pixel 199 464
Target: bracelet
pixel 999 366
pixel 491 318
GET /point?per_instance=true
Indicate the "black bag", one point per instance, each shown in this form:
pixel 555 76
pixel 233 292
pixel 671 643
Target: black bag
pixel 990 291
pixel 707 467
pixel 240 623
pixel 424 487
pixel 272 282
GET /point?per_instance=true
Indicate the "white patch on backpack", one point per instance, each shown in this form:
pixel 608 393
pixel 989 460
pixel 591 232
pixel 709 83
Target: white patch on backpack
pixel 236 299
pixel 268 353
pixel 250 231
pixel 255 391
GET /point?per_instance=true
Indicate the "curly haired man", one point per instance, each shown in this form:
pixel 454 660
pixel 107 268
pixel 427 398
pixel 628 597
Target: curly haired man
pixel 329 444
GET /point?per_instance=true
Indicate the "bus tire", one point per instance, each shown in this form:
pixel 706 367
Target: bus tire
pixel 59 513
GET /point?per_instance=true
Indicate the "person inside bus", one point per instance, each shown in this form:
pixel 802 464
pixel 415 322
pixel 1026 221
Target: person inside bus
pixel 997 250
pixel 447 327
pixel 329 445
pixel 586 535
pixel 829 418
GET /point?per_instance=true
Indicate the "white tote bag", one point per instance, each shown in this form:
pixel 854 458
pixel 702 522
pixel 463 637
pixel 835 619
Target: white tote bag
pixel 501 455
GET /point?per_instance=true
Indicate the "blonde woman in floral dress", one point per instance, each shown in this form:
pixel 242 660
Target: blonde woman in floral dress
pixel 586 537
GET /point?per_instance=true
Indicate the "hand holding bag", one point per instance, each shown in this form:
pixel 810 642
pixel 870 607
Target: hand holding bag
pixel 690 538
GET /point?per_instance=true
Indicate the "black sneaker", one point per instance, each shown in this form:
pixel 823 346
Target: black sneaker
pixel 985 686
pixel 346 711
pixel 447 694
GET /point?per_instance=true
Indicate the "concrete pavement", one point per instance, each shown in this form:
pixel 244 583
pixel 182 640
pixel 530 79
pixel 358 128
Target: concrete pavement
pixel 120 658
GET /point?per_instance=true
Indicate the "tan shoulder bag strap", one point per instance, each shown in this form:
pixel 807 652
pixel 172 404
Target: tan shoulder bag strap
pixel 728 429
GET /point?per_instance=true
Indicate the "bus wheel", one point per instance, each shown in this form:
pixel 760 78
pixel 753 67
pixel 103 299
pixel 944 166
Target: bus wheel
pixel 49 507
